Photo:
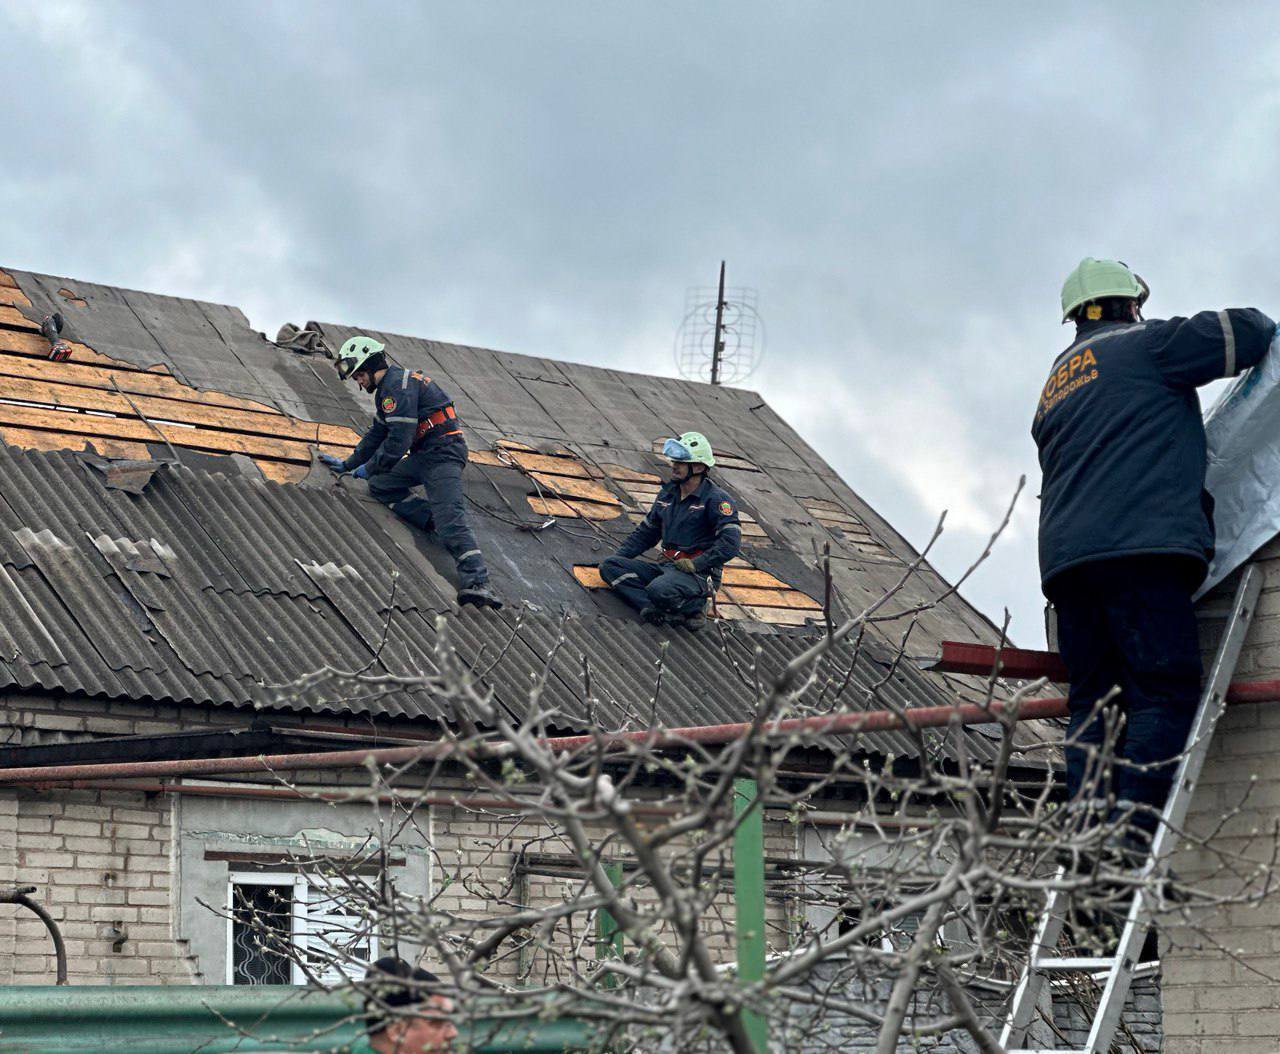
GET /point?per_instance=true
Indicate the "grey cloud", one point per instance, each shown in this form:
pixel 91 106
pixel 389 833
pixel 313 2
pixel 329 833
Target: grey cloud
pixel 906 189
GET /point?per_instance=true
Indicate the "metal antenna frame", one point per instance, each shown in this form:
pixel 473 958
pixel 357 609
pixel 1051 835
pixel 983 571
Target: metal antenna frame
pixel 736 336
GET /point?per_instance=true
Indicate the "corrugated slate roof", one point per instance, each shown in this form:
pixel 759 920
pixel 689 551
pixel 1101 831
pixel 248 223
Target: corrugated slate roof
pixel 219 590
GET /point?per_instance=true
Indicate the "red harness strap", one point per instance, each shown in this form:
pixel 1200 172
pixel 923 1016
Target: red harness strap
pixel 680 554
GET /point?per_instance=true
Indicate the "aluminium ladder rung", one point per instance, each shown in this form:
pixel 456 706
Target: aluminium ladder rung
pixel 1038 1050
pixel 1069 964
pixel 1118 968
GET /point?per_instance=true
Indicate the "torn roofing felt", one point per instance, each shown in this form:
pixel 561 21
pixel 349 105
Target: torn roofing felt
pixel 212 586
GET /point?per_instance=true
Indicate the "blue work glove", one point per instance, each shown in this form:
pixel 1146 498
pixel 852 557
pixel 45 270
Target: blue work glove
pixel 685 564
pixel 333 464
pixel 362 472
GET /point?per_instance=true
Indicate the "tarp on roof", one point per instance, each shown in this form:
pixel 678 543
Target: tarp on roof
pixel 1243 429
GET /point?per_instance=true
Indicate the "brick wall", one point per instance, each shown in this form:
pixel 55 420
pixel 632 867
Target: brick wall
pixel 1222 965
pixel 477 860
pixel 100 862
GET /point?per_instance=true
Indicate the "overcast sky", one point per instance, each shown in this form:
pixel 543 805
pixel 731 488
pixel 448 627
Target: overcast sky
pixel 906 185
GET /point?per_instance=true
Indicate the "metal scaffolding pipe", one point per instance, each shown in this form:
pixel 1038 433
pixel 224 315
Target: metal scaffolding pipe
pixel 658 739
pixel 834 724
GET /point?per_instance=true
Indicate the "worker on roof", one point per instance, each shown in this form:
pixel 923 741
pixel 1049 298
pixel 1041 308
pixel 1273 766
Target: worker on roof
pixel 1126 529
pixel 697 523
pixel 415 440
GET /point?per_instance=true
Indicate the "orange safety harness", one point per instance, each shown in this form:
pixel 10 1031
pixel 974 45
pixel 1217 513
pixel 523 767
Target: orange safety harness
pixel 432 424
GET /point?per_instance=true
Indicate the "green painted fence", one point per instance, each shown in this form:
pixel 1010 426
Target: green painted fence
pixel 220 1019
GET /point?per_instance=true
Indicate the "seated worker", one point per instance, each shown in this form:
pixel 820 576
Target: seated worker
pixel 415 439
pixel 698 526
pixel 402 1015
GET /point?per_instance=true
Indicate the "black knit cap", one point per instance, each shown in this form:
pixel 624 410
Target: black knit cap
pixel 392 983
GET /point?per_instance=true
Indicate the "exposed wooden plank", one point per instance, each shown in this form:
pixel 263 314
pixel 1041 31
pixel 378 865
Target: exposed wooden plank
pixel 622 474
pixel 773 598
pixel 32 440
pixel 739 463
pixel 587 510
pixel 72 298
pixel 93 425
pixel 751 576
pixel 11 316
pixel 783 616
pixel 135 382
pixel 842 518
pixel 511 444
pixel 13 297
pixel 82 398
pixel 29 439
pixel 488 457
pixel 567 486
pixel 560 466
pixel 8 280
pixel 35 345
pixel 753 530
pixel 281 471
pixel 588 577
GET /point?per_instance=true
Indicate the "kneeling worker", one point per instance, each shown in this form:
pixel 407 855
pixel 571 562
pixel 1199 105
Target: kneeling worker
pixel 415 439
pixel 698 526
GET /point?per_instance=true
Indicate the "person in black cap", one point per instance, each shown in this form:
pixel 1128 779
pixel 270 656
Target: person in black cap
pixel 391 985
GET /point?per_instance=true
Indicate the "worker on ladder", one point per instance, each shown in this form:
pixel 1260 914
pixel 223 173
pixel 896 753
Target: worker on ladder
pixel 415 439
pixel 1126 530
pixel 697 523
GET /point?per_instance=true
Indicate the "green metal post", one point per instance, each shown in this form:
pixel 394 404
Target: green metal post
pixel 748 893
pixel 608 933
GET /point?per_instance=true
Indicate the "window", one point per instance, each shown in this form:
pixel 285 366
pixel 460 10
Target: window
pixel 291 928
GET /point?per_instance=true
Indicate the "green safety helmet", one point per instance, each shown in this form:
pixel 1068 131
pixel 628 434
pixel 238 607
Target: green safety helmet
pixel 692 446
pixel 1097 279
pixel 355 353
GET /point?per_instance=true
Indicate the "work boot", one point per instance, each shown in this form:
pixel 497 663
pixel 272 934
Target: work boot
pixel 693 623
pixel 653 615
pixel 482 596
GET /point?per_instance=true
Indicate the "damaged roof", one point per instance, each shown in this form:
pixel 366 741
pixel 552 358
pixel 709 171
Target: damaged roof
pixel 233 564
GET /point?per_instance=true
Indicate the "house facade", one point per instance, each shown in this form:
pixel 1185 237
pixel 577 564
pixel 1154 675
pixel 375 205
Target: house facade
pixel 176 569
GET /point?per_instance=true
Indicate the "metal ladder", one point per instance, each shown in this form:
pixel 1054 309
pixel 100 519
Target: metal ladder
pixel 1043 960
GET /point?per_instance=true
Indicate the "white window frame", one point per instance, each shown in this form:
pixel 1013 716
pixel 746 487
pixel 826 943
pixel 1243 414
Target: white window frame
pixel 299 920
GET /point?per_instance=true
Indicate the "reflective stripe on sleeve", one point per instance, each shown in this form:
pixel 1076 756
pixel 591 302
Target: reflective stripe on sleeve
pixel 1229 341
pixel 402 420
pixel 469 554
pixel 728 527
pixel 623 578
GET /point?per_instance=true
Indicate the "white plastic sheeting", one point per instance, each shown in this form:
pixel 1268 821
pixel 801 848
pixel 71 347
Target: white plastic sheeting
pixel 1243 428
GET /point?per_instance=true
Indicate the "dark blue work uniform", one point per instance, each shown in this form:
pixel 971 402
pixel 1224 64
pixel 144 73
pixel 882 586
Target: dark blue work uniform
pixel 1126 534
pixel 704 526
pixel 416 439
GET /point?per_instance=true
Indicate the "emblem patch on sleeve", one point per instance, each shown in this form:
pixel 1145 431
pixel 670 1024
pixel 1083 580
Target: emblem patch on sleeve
pixel 726 509
pixel 388 405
